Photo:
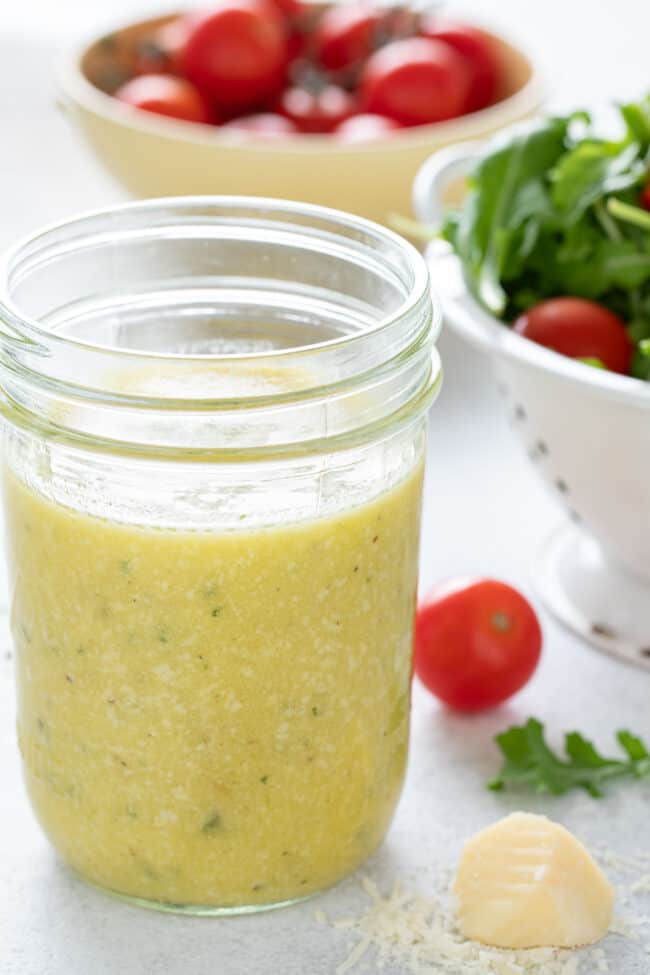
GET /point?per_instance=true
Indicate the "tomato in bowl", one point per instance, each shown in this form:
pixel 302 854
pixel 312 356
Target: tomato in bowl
pixel 241 56
pixel 162 156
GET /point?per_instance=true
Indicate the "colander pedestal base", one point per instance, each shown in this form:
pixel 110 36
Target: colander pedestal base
pixel 594 597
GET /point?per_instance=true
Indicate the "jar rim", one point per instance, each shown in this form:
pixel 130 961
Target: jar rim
pixel 387 359
pixel 25 325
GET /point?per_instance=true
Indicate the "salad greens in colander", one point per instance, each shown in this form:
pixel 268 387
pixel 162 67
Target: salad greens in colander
pixel 558 210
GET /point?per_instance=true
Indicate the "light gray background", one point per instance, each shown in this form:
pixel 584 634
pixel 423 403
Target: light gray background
pixel 484 513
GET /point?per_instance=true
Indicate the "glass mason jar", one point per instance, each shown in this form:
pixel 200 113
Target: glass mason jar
pixel 213 450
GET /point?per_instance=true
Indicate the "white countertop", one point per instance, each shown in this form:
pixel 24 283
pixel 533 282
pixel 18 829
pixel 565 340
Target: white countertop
pixel 484 514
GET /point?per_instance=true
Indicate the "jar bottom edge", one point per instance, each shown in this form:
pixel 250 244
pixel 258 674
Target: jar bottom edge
pixel 194 910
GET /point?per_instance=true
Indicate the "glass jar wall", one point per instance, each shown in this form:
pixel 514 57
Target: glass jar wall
pixel 213 452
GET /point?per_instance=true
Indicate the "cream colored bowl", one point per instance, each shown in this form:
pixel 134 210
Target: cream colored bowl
pixel 155 156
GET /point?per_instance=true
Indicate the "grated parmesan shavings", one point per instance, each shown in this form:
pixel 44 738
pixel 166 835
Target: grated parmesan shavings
pixel 415 929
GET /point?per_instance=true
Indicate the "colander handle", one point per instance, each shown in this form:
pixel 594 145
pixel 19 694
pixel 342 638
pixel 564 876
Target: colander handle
pixel 429 202
pixel 434 177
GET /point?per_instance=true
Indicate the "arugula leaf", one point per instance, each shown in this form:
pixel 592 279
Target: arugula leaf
pixel 628 213
pixel 634 747
pixel 637 121
pixel 641 363
pixel 528 760
pixel 592 360
pixel 608 265
pixel 590 171
pixel 492 222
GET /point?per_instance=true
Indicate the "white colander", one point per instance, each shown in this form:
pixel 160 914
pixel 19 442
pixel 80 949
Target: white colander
pixel 587 434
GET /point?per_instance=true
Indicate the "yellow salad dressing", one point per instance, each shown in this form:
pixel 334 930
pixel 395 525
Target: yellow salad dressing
pixel 214 719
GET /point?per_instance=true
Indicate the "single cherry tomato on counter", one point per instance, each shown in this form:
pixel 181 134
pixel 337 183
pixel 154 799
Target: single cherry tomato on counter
pixel 365 128
pixel 318 111
pixel 237 53
pixel 644 198
pixel 266 125
pixel 161 52
pixel 163 94
pixel 477 642
pixel 347 34
pixel 479 54
pixel 415 81
pixel 579 329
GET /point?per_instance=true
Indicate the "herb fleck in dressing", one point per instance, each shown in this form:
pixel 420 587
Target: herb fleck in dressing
pixel 225 719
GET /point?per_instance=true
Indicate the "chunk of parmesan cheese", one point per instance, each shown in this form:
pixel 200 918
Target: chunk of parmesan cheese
pixel 527 882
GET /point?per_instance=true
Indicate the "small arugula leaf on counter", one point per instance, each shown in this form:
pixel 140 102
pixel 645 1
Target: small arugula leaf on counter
pixel 529 761
pixel 634 748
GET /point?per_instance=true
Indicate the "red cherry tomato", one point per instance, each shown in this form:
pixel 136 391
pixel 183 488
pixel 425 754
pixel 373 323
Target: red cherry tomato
pixel 478 53
pixel 161 53
pixel 164 95
pixel 477 642
pixel 316 111
pixel 644 199
pixel 579 329
pixel 365 128
pixel 291 9
pixel 415 81
pixel 346 35
pixel 297 46
pixel 237 53
pixel 266 125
